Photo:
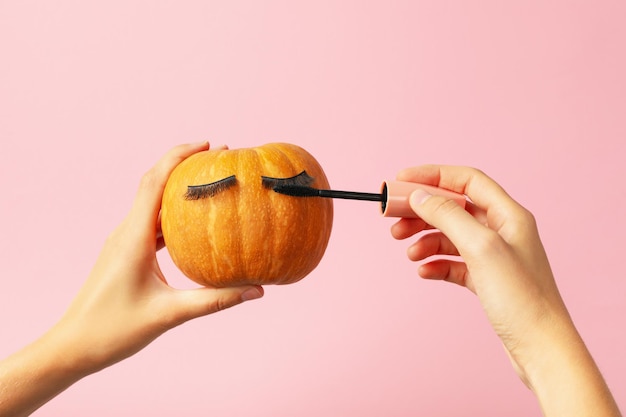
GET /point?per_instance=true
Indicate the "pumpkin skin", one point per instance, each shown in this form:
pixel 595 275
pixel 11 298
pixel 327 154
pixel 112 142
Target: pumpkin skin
pixel 247 233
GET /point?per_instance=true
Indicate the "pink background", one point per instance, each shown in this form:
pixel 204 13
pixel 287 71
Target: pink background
pixel 533 93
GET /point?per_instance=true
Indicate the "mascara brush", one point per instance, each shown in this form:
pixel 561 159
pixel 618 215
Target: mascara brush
pixel 394 195
pixel 305 191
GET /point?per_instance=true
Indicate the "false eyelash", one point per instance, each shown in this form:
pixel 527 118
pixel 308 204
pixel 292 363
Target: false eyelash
pixel 196 192
pixel 302 179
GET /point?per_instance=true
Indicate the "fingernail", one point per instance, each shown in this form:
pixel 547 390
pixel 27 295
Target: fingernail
pixel 251 294
pixel 419 196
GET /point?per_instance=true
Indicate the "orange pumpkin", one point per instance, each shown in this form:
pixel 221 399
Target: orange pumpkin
pixel 223 225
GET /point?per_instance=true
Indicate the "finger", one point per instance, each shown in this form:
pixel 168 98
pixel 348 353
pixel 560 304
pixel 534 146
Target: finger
pixel 198 302
pixel 431 244
pixel 454 221
pixel 160 243
pixel 407 227
pixel 483 191
pixel 479 214
pixel 147 202
pixel 445 270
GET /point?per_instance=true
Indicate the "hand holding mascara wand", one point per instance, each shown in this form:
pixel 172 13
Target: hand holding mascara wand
pixel 508 298
pixel 394 195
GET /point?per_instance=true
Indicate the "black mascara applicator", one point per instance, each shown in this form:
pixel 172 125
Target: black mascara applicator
pixel 393 197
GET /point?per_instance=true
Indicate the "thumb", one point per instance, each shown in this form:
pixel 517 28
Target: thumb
pixel 203 301
pixel 446 215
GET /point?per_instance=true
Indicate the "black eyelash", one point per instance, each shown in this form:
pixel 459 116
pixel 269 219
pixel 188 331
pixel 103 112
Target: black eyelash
pixel 302 179
pixel 196 192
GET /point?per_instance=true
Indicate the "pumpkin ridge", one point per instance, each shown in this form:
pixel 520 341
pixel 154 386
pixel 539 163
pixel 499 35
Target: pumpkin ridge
pixel 284 159
pixel 239 157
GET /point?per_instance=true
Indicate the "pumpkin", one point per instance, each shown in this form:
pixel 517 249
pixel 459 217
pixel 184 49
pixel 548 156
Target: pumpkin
pixel 223 224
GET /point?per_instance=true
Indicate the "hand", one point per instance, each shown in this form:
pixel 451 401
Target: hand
pixel 124 305
pixel 504 261
pixel 505 265
pixel 126 302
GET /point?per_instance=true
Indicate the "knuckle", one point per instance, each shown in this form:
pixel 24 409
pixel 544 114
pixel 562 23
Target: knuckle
pixel 444 206
pixel 527 217
pixel 148 180
pixel 219 304
pixel 523 222
pixel 224 301
pixel 476 171
pixel 152 180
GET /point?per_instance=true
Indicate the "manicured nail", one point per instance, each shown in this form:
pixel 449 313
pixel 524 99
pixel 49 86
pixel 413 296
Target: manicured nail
pixel 251 294
pixel 419 196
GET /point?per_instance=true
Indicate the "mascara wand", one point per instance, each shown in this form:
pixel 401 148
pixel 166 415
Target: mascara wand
pixel 394 196
pixel 304 191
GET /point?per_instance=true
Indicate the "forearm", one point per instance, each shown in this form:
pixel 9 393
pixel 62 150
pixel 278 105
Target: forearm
pixel 566 379
pixel 36 374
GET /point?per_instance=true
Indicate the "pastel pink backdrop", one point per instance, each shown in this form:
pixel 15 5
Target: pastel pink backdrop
pixel 533 93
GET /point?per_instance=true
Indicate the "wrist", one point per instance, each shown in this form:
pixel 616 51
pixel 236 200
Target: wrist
pixel 559 369
pixel 57 358
pixel 65 343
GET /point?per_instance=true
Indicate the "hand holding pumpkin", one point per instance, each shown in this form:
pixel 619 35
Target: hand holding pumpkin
pixel 126 302
pixel 124 305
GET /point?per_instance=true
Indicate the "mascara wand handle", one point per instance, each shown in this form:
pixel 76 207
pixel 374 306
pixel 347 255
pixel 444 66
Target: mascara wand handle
pixel 396 195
